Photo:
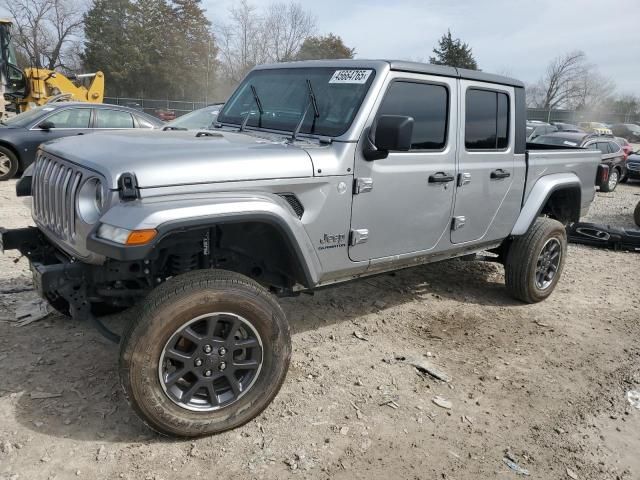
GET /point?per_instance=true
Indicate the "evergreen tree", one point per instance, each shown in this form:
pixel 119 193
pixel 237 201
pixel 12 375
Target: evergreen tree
pixel 151 48
pixel 453 52
pixel 325 47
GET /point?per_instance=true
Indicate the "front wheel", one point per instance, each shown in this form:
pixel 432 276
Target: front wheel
pixel 611 184
pixel 535 261
pixel 208 353
pixel 8 163
pixel 636 215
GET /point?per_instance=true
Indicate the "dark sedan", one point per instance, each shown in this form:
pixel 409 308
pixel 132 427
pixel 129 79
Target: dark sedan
pixel 21 135
pixel 633 166
pixel 612 154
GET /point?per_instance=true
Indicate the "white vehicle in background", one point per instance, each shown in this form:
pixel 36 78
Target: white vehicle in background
pixel 201 119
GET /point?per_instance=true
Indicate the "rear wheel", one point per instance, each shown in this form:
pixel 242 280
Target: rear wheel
pixel 208 353
pixel 535 261
pixel 8 164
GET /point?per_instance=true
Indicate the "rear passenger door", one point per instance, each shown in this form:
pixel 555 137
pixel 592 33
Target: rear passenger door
pixel 484 209
pixel 106 118
pixel 404 205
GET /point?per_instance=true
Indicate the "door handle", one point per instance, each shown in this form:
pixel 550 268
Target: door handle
pixel 440 177
pixel 81 133
pixel 500 173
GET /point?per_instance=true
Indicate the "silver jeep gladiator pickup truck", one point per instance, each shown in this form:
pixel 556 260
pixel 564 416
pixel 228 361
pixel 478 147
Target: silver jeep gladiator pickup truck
pixel 316 173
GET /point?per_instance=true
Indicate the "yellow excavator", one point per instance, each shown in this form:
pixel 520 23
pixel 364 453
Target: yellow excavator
pixel 21 90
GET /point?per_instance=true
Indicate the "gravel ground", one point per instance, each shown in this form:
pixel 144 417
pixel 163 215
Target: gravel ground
pixel 543 385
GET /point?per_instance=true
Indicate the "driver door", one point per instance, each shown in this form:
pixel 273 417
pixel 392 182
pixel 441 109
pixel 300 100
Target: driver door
pixel 406 205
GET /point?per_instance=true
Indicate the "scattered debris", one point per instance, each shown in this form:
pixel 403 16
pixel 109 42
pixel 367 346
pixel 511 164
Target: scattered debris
pixel 425 366
pixel 633 396
pixel 344 430
pixel 101 454
pixel 515 467
pixel 6 447
pixel 31 311
pixel 541 324
pixel 572 474
pixel 442 402
pixel 359 336
pixel 391 404
pixel 44 395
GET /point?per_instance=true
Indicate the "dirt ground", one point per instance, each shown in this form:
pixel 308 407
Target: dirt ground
pixel 542 384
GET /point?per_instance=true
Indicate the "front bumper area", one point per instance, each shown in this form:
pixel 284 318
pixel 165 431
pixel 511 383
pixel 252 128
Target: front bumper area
pixel 55 276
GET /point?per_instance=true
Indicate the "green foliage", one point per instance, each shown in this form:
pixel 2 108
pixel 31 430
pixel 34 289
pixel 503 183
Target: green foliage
pixel 453 52
pixel 324 47
pixel 150 48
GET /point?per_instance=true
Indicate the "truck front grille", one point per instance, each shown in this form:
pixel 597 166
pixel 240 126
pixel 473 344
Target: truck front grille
pixel 54 188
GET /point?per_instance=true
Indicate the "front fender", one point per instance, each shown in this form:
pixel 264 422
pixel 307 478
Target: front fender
pixel 168 215
pixel 540 193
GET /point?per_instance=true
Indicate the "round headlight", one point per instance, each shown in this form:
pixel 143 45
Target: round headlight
pixel 91 200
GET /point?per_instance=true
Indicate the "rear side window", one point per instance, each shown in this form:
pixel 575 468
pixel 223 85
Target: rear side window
pixel 71 118
pixel 427 104
pixel 487 120
pixel 113 119
pixel 603 147
pixel 614 147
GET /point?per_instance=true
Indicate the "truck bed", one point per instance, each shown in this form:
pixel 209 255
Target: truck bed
pixel 543 160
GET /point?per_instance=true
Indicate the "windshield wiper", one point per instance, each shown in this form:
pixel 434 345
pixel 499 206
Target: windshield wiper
pixel 258 104
pixel 313 102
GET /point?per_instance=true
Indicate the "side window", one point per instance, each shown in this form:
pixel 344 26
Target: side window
pixel 614 147
pixel 487 120
pixel 71 118
pixel 603 147
pixel 113 119
pixel 428 105
pixel 591 146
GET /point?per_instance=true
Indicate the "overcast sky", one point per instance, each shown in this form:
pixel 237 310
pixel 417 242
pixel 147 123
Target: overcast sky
pixel 513 37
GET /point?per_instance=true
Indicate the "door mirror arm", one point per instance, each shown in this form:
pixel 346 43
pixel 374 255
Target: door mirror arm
pixel 46 126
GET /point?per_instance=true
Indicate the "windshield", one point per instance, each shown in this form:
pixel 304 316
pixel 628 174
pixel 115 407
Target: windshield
pixel 284 97
pixel 26 118
pixel 197 119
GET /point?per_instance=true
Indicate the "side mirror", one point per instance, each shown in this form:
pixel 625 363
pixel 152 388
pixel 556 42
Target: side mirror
pixel 391 133
pixel 46 125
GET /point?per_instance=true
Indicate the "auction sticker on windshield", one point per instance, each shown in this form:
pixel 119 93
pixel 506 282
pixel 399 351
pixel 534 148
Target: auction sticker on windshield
pixel 351 76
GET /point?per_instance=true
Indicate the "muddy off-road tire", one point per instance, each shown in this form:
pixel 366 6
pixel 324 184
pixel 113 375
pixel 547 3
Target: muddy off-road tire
pixel 636 215
pixel 8 164
pixel 535 261
pixel 208 352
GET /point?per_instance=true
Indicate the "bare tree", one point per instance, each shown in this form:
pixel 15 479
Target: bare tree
pixel 286 28
pixel 561 84
pixel 45 31
pixel 594 90
pixel 252 37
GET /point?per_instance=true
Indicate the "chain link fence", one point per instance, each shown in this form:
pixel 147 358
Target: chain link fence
pixel 576 116
pixel 180 107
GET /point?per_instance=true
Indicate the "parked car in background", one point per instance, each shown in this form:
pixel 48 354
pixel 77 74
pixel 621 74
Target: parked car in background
pixel 201 119
pixel 536 129
pixel 633 166
pixel 21 135
pixel 596 127
pixel 612 154
pixel 630 131
pixel 567 127
pixel 165 115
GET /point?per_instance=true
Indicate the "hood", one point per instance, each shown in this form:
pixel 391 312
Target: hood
pixel 159 159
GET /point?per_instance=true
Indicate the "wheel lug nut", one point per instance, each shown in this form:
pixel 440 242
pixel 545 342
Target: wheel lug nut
pixel 223 366
pixel 198 362
pixel 207 349
pixel 207 373
pixel 222 351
